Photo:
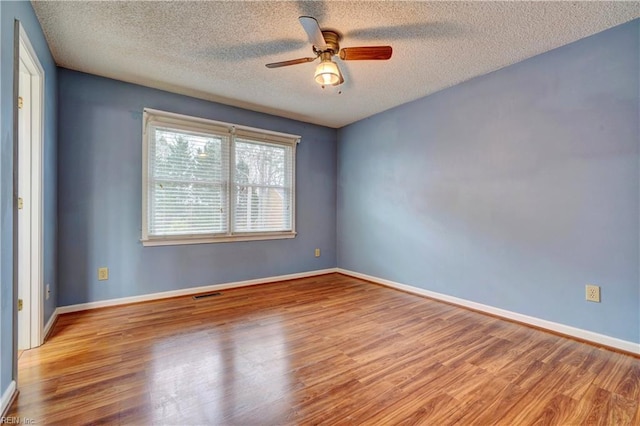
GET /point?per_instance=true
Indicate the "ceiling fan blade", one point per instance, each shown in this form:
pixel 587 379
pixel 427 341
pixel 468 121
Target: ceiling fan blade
pixel 291 62
pixel 313 31
pixel 366 53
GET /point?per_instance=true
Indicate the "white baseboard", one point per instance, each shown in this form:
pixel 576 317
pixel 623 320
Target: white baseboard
pixel 7 398
pixel 49 325
pixel 578 333
pixel 185 292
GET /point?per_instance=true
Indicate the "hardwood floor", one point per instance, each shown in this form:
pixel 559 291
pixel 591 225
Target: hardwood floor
pixel 322 350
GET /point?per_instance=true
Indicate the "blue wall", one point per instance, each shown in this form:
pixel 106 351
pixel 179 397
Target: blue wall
pixel 99 188
pixel 514 189
pixel 24 12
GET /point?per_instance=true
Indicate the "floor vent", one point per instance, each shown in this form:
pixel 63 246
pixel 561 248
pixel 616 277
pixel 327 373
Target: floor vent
pixel 204 296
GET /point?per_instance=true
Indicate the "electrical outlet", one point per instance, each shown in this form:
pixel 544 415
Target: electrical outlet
pixel 103 274
pixel 317 252
pixel 47 292
pixel 593 293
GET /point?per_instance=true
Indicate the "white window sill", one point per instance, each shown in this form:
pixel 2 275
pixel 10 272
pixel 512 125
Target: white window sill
pixel 183 240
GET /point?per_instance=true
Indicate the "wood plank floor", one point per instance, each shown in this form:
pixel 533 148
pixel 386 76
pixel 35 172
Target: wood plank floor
pixel 322 350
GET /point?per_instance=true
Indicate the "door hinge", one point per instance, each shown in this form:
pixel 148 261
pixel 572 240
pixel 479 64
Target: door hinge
pixel 19 304
pixel 20 203
pixel 20 102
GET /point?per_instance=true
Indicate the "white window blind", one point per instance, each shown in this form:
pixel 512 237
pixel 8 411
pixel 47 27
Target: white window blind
pixel 207 181
pixel 262 187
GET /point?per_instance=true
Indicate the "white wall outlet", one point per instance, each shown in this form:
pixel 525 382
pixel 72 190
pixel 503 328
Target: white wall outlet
pixel 103 273
pixel 47 293
pixel 317 252
pixel 593 293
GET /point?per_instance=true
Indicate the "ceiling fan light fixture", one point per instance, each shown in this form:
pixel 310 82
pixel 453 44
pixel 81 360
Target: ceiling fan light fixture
pixel 326 44
pixel 327 73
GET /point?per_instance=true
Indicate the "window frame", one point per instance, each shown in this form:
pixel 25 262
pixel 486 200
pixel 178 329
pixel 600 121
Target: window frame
pixel 157 118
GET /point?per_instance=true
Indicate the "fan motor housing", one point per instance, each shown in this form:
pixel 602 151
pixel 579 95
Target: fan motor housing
pixel 332 39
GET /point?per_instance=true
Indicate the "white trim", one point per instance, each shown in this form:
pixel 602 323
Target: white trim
pixel 567 330
pixel 37 122
pixel 145 178
pixel 152 119
pixel 294 179
pixel 7 397
pixel 188 291
pixel 181 240
pixel 230 171
pixel 49 325
pixel 172 118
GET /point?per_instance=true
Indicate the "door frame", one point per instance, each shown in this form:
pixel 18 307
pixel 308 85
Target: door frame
pixel 26 54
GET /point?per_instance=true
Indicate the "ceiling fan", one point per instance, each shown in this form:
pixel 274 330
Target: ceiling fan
pixel 325 45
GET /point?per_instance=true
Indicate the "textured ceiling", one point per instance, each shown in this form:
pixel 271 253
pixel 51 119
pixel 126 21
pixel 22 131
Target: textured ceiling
pixel 217 50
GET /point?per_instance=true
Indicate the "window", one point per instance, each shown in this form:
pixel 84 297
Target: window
pixel 206 181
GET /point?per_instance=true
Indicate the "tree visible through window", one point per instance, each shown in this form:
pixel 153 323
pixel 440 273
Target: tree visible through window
pixel 262 193
pixel 187 185
pixel 209 181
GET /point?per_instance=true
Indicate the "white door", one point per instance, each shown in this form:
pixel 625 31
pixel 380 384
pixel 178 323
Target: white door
pixel 30 113
pixel 24 208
